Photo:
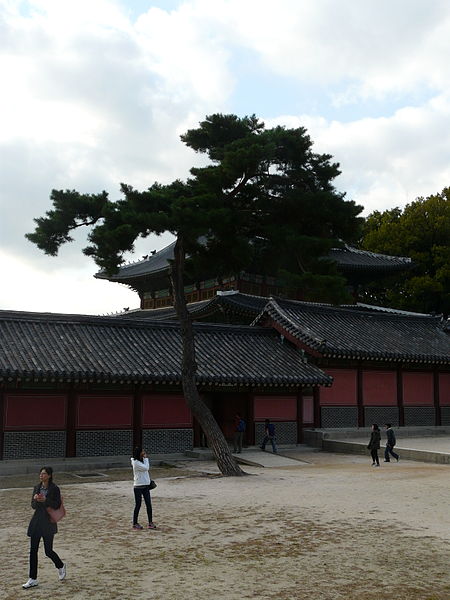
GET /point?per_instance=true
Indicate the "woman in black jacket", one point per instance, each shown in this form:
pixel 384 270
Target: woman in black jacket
pixel 45 494
pixel 374 445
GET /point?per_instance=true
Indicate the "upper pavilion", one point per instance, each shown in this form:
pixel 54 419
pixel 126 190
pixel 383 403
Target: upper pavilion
pixel 149 277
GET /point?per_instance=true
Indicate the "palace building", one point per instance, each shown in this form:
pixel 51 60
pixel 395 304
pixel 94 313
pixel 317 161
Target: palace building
pixel 77 385
pixel 149 277
pixel 74 385
pixel 387 365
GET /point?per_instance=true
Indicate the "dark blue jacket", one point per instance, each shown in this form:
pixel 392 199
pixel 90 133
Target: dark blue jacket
pixel 40 523
pixel 391 441
pixel 241 425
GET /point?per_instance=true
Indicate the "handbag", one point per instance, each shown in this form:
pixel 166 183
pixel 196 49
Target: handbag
pixel 56 514
pixel 152 484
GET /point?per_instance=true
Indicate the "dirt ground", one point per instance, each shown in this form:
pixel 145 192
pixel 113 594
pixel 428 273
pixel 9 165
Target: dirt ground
pixel 330 528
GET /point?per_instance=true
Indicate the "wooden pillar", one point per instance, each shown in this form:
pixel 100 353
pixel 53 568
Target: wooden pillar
pixel 401 410
pixel 437 408
pixel 317 416
pixel 2 422
pixel 250 420
pixel 359 397
pixel 71 422
pixel 197 433
pixel 300 416
pixel 137 416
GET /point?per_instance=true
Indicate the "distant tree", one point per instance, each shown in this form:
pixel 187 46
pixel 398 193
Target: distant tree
pixel 264 195
pixel 422 232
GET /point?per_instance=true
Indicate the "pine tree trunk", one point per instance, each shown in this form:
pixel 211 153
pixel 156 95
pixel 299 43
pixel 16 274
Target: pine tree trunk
pixel 216 440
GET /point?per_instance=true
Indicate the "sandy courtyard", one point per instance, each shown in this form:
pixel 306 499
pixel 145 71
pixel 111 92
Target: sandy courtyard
pixel 330 528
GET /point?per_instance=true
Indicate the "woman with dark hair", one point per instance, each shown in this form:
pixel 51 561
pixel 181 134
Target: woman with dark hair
pixel 45 494
pixel 374 445
pixel 141 474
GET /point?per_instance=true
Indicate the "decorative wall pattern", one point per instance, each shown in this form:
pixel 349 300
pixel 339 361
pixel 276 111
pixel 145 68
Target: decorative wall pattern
pixel 339 416
pixel 445 415
pixel 419 415
pixel 34 444
pixel 107 442
pixel 161 441
pixel 380 415
pixel 285 432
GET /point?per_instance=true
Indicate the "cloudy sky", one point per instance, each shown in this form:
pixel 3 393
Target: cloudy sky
pixel 97 92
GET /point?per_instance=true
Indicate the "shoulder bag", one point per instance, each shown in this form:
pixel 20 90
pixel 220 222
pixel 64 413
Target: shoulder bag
pixel 56 514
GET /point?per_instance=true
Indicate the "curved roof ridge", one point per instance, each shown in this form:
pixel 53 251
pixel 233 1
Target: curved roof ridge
pixel 306 302
pixel 396 311
pixel 143 267
pixel 362 309
pixel 362 334
pixel 149 257
pixel 305 336
pixel 114 321
pixel 405 259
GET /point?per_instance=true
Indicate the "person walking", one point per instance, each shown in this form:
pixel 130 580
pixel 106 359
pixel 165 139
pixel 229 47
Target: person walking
pixel 374 445
pixel 45 494
pixel 141 474
pixel 238 433
pixel 269 436
pixel 390 443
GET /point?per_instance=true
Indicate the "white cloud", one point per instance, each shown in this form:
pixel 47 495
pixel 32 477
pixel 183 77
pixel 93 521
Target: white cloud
pixel 388 161
pixel 92 101
pixel 91 98
pixel 64 289
pixel 370 48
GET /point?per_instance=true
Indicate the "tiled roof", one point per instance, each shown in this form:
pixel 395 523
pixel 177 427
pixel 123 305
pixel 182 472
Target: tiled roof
pixel 45 346
pixel 167 313
pixel 347 258
pixel 155 314
pixel 363 333
pixel 350 259
pixel 229 302
pixel 154 263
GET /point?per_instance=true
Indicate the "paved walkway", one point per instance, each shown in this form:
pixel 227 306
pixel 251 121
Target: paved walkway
pixel 431 444
pixel 287 456
pixel 427 448
pixel 258 458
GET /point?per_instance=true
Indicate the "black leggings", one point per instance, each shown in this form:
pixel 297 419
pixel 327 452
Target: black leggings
pixel 48 547
pixel 374 454
pixel 140 492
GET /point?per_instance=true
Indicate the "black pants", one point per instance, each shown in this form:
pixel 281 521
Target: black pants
pixel 140 492
pixel 48 547
pixel 374 454
pixel 390 450
pixel 237 441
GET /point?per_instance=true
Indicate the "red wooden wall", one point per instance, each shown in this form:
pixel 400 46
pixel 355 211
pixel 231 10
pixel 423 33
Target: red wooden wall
pixel 165 411
pixel 343 390
pixel 418 389
pixel 104 411
pixel 444 389
pixel 35 411
pixel 308 410
pixel 275 408
pixel 379 388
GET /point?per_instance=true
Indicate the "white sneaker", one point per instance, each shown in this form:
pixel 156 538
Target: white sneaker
pixel 30 583
pixel 62 572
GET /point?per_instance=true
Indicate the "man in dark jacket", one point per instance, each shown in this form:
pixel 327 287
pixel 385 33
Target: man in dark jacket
pixel 239 429
pixel 390 443
pixel 269 436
